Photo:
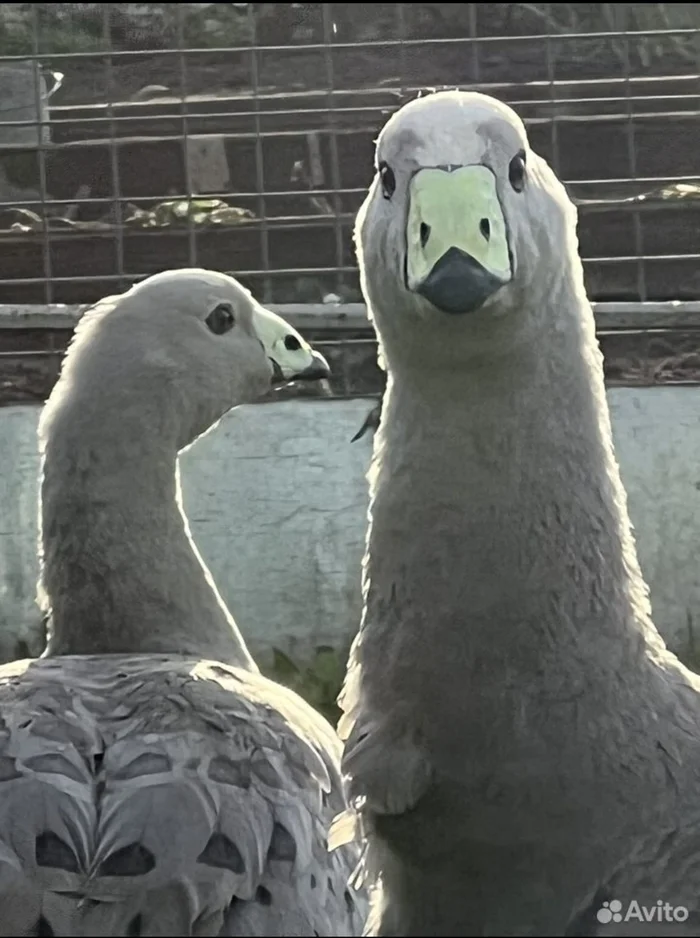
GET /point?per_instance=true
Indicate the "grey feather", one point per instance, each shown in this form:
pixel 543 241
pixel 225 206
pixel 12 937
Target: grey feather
pixel 160 813
pixel 152 781
pixel 520 745
pixel 371 422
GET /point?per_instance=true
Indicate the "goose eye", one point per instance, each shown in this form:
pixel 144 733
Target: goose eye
pixel 386 174
pixel 221 319
pixel 516 171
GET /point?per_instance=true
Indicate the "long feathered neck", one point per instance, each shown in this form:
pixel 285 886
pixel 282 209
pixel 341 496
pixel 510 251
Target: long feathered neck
pixel 120 572
pixel 499 554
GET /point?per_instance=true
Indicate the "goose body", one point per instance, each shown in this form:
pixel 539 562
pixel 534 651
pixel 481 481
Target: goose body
pixel 522 751
pixel 152 781
pixel 165 795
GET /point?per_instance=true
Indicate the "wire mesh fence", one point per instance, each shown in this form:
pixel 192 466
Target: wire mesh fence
pixel 137 137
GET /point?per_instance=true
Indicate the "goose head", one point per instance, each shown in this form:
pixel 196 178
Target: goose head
pixel 181 348
pixel 459 225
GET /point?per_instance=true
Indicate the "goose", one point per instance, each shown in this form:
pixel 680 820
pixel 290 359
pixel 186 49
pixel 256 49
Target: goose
pixel 152 781
pixel 521 750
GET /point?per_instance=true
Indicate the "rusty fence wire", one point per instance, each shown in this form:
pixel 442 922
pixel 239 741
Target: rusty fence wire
pixel 137 137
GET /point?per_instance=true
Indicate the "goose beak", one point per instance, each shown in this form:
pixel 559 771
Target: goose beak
pixel 457 252
pixel 291 356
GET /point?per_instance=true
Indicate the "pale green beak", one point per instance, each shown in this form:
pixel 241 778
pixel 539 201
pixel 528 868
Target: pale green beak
pixel 291 356
pixel 457 252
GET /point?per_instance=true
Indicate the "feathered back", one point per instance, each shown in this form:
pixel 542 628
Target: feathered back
pixel 156 796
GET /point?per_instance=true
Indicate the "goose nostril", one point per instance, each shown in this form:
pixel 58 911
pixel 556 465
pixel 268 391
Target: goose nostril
pixel 424 234
pixel 485 228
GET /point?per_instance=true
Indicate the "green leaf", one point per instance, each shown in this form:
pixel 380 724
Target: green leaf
pixel 327 666
pixel 283 667
pixel 318 682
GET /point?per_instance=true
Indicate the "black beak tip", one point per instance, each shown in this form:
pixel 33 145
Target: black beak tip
pixel 459 284
pixel 316 371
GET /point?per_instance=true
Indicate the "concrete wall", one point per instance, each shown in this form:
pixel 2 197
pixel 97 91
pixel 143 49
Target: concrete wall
pixel 277 500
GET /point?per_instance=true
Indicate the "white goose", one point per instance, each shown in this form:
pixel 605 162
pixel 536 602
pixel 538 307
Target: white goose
pixel 152 782
pixel 523 750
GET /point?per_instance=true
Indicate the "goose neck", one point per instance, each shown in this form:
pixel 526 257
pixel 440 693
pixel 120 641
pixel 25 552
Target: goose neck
pixel 499 541
pixel 120 571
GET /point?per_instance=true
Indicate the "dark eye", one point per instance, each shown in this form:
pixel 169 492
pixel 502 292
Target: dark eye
pixel 516 171
pixel 386 174
pixel 221 319
pixel 291 343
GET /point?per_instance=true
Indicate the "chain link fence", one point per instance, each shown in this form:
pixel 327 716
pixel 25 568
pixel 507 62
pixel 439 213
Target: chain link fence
pixel 138 137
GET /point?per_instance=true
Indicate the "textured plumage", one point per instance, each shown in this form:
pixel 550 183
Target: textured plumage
pixel 520 746
pixel 154 795
pixel 152 781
